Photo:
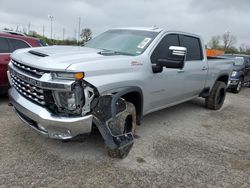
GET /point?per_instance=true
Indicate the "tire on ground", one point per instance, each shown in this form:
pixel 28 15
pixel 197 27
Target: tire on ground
pixel 217 96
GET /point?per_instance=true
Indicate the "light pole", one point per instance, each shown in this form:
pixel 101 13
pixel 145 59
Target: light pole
pixel 79 28
pixel 51 20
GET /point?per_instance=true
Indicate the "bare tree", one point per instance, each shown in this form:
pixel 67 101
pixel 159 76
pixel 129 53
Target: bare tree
pixel 228 41
pixel 86 35
pixel 214 43
pixel 243 48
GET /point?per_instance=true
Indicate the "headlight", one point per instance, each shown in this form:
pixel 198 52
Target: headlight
pixel 65 100
pixel 69 102
pixel 68 76
pixel 234 73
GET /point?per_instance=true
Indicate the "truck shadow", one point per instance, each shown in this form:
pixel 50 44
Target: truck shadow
pixel 4 99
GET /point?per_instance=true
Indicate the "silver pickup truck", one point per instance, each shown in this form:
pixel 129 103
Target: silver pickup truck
pixel 112 82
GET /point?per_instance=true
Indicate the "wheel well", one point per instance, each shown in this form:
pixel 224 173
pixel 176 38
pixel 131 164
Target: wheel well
pixel 223 78
pixel 136 99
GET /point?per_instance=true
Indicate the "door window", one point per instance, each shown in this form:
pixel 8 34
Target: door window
pixel 18 44
pixel 162 50
pixel 193 45
pixel 4 45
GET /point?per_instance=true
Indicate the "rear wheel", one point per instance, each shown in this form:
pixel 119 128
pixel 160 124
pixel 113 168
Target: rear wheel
pixel 217 96
pixel 124 123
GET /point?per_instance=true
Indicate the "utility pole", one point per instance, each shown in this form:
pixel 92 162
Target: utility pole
pixel 75 35
pixel 43 30
pixel 63 33
pixel 29 28
pixel 51 20
pixel 79 27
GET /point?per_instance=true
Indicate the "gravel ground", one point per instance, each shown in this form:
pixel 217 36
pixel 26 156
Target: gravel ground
pixel 183 146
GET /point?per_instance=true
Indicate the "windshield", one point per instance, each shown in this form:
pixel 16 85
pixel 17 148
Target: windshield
pixel 129 42
pixel 239 61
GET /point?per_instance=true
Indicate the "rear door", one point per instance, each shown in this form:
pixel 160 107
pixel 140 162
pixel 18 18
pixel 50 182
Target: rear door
pixel 195 69
pixel 5 50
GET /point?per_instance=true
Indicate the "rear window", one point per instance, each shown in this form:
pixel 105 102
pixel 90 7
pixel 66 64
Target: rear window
pixel 194 51
pixel 18 44
pixel 4 46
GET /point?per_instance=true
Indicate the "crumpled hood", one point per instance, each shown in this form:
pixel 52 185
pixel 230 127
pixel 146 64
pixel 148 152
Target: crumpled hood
pixel 59 58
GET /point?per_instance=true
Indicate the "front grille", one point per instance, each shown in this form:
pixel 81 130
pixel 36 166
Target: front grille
pixel 27 69
pixel 28 90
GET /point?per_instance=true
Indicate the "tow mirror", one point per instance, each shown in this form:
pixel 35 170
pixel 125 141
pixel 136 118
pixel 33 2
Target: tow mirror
pixel 175 59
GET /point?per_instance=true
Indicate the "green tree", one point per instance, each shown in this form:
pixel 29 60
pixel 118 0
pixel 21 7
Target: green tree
pixel 86 35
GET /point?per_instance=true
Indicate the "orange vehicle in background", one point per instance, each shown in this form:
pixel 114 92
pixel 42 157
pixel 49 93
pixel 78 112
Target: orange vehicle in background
pixel 214 53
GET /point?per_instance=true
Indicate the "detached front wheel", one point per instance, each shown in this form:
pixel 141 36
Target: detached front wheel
pixel 217 96
pixel 124 123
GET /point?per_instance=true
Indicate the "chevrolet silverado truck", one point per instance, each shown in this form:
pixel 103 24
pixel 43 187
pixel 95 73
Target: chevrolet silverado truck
pixel 112 82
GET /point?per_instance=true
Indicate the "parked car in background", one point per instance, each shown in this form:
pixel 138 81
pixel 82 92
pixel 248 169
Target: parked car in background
pixel 241 73
pixel 9 42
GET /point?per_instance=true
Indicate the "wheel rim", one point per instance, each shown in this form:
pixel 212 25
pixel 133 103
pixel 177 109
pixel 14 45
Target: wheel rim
pixel 239 86
pixel 221 97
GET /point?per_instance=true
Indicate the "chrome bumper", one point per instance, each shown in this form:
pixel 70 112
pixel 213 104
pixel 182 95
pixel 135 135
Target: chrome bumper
pixel 46 123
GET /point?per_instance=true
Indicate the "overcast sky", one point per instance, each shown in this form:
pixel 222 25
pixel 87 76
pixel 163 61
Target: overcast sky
pixel 203 17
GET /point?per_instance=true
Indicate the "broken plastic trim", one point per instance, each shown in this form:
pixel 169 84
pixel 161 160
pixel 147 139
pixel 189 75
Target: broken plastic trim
pixel 107 108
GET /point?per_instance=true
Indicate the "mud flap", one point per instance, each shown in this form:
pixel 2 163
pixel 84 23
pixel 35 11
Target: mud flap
pixel 104 112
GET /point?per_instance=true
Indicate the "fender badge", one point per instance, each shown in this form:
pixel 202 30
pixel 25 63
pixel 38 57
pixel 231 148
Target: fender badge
pixel 135 63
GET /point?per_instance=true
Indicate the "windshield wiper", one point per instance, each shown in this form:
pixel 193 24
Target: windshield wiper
pixel 112 52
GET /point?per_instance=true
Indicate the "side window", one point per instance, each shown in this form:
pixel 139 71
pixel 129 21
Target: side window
pixel 4 46
pixel 193 45
pixel 162 50
pixel 18 44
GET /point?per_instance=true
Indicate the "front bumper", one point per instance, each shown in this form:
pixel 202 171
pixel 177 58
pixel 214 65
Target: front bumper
pixel 232 83
pixel 46 123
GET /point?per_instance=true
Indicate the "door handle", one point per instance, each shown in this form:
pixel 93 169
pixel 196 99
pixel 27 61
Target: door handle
pixel 181 71
pixel 204 68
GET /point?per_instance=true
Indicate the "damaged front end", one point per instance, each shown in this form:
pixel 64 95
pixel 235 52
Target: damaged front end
pixel 112 115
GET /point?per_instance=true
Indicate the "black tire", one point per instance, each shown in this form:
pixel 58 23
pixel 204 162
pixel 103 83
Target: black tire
pixel 217 96
pixel 238 88
pixel 124 123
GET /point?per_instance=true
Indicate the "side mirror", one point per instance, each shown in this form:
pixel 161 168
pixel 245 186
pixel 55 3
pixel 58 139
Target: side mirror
pixel 175 59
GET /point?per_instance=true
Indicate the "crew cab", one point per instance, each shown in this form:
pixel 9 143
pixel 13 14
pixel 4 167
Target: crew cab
pixel 241 71
pixel 112 82
pixel 9 42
